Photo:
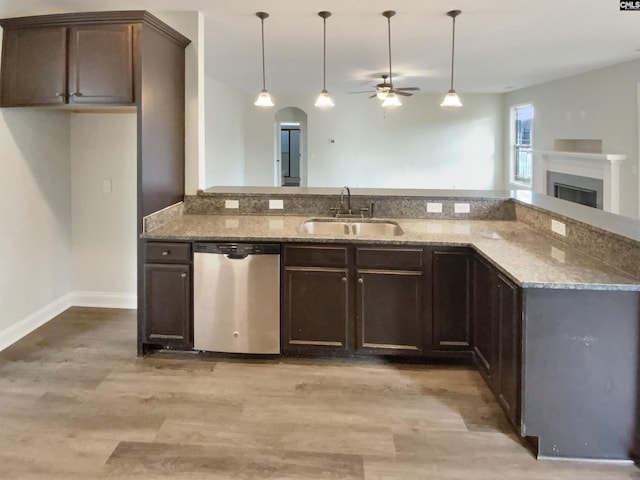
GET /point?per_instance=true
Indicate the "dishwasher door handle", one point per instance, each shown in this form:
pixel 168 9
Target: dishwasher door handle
pixel 236 256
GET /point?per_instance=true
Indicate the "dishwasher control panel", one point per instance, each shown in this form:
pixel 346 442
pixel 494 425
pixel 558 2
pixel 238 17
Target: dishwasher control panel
pixel 238 248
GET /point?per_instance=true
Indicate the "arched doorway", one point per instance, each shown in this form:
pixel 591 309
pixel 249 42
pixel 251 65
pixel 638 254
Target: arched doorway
pixel 291 148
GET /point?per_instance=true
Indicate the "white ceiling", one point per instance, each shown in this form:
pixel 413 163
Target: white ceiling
pixel 500 44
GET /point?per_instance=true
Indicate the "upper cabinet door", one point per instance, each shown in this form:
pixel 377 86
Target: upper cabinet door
pixel 34 66
pixel 101 64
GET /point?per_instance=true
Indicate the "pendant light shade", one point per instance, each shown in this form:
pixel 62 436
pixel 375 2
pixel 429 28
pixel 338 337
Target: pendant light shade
pixel 324 99
pixel 452 99
pixel 264 99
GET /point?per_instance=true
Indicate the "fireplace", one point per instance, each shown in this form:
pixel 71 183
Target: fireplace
pixel 576 188
pixel 579 174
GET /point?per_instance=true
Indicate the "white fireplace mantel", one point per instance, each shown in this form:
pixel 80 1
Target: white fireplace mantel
pixel 602 166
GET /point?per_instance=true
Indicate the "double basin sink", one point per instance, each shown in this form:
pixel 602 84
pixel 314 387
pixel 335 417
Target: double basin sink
pixel 360 226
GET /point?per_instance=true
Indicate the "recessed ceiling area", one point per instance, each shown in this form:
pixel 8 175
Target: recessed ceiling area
pixel 501 45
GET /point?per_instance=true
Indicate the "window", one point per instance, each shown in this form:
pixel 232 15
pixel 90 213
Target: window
pixel 521 137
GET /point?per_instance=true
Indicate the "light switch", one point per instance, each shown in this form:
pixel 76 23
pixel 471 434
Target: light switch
pixel 106 185
pixel 276 204
pixel 559 228
pixel 434 207
pixel 461 207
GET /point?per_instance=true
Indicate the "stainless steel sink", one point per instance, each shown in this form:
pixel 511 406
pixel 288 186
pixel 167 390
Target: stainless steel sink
pixel 376 228
pixel 325 227
pixel 330 226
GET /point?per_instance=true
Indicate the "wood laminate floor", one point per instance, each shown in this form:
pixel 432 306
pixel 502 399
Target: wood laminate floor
pixel 76 403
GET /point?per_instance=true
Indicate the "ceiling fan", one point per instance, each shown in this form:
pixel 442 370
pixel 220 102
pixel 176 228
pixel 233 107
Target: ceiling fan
pixel 384 89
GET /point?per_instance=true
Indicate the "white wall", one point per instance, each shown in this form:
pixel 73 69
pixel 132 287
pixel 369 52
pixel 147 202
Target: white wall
pixel 224 134
pixel 103 147
pixel 417 145
pixel 35 218
pixel 601 104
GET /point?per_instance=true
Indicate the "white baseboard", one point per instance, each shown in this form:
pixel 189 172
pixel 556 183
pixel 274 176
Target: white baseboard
pixel 104 300
pixel 24 327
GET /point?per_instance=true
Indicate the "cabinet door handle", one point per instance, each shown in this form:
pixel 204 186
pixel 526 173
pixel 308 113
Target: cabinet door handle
pixel 183 275
pixel 165 253
pixel 76 94
pixel 361 280
pixel 344 279
pixel 60 94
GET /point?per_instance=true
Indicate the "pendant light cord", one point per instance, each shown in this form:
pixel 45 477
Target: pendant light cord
pixel 453 49
pixel 264 83
pixel 324 53
pixel 389 35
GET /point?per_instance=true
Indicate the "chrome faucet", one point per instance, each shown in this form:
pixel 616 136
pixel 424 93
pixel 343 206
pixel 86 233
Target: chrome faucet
pixel 348 200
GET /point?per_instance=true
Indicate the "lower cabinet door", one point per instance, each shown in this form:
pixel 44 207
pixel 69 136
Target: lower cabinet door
pixel 167 305
pixel 451 299
pixel 389 312
pixel 508 381
pixel 316 310
pixel 484 321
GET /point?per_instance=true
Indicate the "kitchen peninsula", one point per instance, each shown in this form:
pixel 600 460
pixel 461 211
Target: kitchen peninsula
pixel 542 294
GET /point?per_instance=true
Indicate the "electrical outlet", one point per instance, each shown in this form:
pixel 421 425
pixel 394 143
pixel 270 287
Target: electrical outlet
pixel 231 204
pixel 434 207
pixel 559 228
pixel 461 207
pixel 276 204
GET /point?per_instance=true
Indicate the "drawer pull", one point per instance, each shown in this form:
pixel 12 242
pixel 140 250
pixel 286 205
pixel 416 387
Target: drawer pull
pixel 165 253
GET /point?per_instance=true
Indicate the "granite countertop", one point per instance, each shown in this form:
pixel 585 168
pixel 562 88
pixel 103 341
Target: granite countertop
pixel 531 259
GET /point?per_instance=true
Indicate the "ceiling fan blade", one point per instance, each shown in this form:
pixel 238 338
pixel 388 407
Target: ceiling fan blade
pixel 363 91
pixel 408 88
pixel 374 95
pixel 404 94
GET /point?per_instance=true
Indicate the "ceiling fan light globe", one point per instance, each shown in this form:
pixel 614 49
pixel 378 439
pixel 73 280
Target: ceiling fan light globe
pixel 264 99
pixel 382 94
pixel 391 100
pixel 324 100
pixel 451 100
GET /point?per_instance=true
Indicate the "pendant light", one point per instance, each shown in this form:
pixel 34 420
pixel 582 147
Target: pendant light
pixel 452 99
pixel 391 99
pixel 324 99
pixel 264 99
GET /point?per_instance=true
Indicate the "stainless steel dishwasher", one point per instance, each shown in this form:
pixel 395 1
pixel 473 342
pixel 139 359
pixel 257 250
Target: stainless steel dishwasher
pixel 236 299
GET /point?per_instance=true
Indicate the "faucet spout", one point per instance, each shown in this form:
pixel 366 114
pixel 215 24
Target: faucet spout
pixel 348 199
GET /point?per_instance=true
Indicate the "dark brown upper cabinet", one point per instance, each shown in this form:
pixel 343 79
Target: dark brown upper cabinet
pixel 58 65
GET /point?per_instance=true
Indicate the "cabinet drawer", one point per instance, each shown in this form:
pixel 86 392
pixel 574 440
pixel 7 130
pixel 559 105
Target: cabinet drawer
pixel 165 252
pixel 395 258
pixel 324 256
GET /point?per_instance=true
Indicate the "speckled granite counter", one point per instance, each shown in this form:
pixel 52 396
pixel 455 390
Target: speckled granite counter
pixel 531 259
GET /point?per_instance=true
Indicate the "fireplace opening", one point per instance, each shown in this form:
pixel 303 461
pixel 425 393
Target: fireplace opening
pixel 574 194
pixel 576 188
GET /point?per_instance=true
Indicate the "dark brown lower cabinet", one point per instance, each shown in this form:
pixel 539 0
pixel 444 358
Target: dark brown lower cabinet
pixel 389 300
pixel 353 299
pixel 316 310
pixel 167 296
pixel 497 336
pixel 452 326
pixel 507 384
pixel 484 324
pixel 316 305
